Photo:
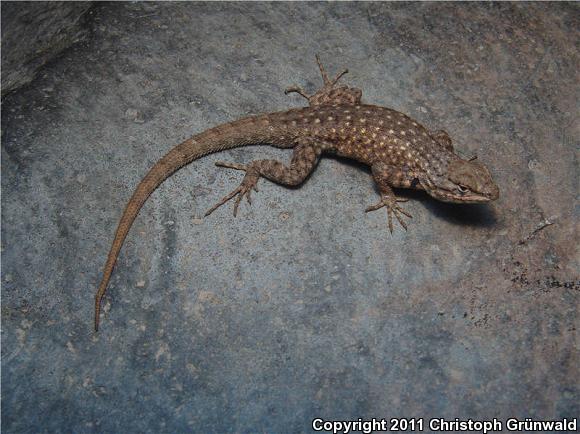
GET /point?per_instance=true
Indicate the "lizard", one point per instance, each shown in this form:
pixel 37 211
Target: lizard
pixel 400 152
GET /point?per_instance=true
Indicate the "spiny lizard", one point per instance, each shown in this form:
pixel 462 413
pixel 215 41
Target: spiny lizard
pixel 400 152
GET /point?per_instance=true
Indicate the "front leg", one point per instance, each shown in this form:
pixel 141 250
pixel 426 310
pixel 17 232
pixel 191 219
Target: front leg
pixel 304 160
pixel 386 177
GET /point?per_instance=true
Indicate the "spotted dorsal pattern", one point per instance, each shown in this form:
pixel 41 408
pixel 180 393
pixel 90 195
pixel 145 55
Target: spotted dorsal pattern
pixel 443 139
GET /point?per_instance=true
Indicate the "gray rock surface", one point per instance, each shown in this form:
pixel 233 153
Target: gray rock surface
pixel 303 306
pixel 33 33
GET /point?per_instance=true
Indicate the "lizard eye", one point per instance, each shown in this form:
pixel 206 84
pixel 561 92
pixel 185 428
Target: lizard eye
pixel 462 189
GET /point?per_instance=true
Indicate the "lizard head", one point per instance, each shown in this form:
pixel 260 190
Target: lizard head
pixel 462 181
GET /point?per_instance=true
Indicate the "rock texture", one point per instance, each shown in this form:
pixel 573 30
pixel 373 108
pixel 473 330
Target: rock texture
pixel 33 33
pixel 303 306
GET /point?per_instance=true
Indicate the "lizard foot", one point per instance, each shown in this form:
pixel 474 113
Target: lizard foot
pixel 390 202
pixel 329 93
pixel 248 184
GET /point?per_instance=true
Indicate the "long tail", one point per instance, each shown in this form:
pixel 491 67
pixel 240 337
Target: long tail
pixel 239 133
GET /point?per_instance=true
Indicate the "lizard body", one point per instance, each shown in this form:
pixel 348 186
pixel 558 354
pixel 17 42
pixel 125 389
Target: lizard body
pixel 401 153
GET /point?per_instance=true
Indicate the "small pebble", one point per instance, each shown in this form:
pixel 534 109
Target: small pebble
pixel 131 113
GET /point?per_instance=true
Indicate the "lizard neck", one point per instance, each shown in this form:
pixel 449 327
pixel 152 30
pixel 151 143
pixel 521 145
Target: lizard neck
pixel 434 166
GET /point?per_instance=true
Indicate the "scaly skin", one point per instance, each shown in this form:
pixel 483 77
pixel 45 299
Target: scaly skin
pixel 400 152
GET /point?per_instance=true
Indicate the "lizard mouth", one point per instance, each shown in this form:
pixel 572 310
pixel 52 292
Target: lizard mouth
pixel 475 198
pixel 468 197
pixel 464 199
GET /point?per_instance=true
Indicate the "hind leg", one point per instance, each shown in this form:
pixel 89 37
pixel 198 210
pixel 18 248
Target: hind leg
pixel 329 93
pixel 304 160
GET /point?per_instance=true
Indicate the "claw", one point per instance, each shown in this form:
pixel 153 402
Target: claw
pixel 244 190
pixel 235 166
pixel 390 203
pixel 322 71
pixel 325 78
pixel 224 200
pixel 338 77
pixel 237 203
pixel 297 90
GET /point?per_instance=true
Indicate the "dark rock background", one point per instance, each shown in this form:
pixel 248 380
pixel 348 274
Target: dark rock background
pixel 303 306
pixel 33 33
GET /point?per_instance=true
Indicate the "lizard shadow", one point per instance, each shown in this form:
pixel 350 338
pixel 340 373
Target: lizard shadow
pixel 479 215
